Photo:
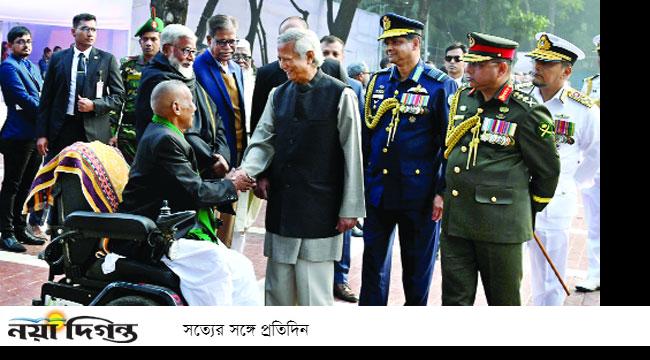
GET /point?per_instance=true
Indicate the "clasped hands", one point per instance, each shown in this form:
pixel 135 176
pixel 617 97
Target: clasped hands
pixel 241 180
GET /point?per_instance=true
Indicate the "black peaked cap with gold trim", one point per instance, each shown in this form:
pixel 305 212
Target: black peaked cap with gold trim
pixel 484 47
pixel 397 25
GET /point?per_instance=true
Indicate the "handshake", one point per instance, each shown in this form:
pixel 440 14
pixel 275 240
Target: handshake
pixel 241 180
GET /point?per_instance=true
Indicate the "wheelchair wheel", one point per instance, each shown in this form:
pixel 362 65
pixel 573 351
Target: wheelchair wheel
pixel 132 301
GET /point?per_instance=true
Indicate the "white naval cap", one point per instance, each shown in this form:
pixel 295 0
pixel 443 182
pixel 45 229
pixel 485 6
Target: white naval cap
pixel 553 48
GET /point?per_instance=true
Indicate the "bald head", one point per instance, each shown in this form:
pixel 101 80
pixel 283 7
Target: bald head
pixel 172 100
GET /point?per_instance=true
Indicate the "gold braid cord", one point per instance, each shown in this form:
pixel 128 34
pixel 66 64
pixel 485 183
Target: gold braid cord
pixel 455 133
pixel 385 106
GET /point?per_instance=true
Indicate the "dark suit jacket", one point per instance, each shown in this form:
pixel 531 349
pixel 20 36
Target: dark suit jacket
pixel 208 75
pixel 54 98
pixel 271 75
pixel 20 89
pixel 165 169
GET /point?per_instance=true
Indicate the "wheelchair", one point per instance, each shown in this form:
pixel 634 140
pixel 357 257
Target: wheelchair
pixel 80 242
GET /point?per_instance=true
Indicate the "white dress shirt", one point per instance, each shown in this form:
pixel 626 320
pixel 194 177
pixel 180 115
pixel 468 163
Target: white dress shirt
pixel 579 161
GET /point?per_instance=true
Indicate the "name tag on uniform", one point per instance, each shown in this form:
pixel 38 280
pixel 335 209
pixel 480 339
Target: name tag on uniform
pixel 100 90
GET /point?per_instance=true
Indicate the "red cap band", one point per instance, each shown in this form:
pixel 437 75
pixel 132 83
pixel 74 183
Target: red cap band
pixel 505 53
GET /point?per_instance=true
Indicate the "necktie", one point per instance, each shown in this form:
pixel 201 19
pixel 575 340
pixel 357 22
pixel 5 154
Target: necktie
pixel 81 74
pixel 81 78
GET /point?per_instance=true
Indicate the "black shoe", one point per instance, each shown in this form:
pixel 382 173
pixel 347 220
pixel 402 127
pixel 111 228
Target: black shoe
pixel 28 239
pixel 356 232
pixel 11 244
pixel 344 292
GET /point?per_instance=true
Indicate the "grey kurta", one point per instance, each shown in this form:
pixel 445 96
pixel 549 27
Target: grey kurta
pixel 258 157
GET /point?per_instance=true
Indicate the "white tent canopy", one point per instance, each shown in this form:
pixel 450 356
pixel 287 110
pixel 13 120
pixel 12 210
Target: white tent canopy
pixel 113 14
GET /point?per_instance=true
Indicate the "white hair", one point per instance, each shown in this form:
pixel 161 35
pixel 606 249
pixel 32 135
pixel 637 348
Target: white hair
pixel 243 43
pixel 304 40
pixel 164 89
pixel 171 33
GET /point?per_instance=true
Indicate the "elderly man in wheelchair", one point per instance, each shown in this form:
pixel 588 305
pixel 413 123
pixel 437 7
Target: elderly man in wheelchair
pixel 160 247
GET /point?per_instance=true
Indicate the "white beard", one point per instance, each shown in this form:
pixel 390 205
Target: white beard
pixel 187 72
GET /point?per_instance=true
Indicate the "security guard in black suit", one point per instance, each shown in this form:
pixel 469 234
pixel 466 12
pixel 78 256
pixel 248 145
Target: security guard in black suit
pixel 502 163
pixel 406 113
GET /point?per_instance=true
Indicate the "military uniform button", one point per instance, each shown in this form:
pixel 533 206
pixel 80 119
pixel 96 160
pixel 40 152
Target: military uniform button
pixel 417 171
pixel 463 148
pixel 385 171
pixel 456 169
pixel 493 199
pixel 385 150
pixel 454 192
pixel 387 128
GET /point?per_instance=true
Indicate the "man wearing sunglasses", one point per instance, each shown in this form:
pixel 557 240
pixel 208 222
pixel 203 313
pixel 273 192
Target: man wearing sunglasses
pixel 454 64
pixel 174 62
pixel 222 78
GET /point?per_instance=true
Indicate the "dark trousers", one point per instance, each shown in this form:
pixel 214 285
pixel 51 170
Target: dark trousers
pixel 71 132
pixel 418 239
pixel 21 162
pixel 500 266
pixel 342 268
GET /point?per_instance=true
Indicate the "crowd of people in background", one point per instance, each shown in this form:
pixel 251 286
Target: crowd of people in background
pixel 336 149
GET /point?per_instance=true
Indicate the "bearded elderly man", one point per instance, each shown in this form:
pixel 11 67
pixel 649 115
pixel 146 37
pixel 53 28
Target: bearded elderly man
pixel 174 62
pixel 309 139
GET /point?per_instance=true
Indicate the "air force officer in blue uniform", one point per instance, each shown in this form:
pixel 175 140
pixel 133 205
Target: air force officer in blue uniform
pixel 406 113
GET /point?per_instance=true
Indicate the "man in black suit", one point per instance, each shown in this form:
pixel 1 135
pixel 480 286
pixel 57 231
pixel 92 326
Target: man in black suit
pixel 82 85
pixel 271 75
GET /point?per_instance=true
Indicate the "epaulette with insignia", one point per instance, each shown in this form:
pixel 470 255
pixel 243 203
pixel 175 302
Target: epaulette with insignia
pixel 592 77
pixel 579 97
pixel 437 74
pixel 524 98
pixel 525 87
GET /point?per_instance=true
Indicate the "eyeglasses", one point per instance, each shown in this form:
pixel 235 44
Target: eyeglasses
pixel 456 58
pixel 87 29
pixel 23 42
pixel 188 51
pixel 224 43
pixel 241 57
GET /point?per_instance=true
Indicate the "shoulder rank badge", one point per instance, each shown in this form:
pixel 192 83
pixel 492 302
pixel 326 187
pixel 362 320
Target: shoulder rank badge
pixel 564 131
pixel 498 132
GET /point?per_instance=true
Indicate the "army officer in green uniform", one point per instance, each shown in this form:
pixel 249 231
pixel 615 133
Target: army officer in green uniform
pixel 131 70
pixel 502 166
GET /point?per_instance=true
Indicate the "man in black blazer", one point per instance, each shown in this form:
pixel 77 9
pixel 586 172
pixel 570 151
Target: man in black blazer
pixel 82 85
pixel 271 75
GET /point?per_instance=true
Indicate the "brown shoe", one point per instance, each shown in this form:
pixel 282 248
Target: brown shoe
pixel 344 292
pixel 38 232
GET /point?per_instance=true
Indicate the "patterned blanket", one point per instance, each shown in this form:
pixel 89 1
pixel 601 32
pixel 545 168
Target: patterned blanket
pixel 102 171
